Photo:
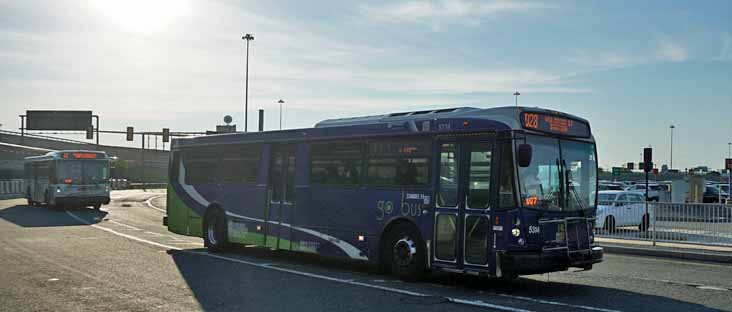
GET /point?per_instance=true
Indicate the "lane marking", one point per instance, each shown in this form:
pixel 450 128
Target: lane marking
pixel 149 203
pixel 125 225
pixel 121 234
pixel 555 303
pixel 271 266
pixel 475 303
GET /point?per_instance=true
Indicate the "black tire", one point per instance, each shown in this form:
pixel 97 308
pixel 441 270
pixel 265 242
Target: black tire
pixel 215 236
pixel 610 224
pixel 404 252
pixel 645 223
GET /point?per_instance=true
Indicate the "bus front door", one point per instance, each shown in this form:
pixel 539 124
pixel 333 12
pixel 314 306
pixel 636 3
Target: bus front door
pixel 463 204
pixel 281 197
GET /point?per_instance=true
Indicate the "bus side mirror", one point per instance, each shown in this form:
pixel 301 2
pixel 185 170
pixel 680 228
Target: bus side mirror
pixel 524 155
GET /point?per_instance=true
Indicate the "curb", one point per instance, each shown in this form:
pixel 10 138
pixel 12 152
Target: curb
pixel 665 253
pixel 11 196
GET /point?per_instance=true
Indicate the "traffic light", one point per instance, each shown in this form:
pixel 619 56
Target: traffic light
pixel 647 159
pixel 130 133
pixel 89 133
pixel 166 135
pixel 631 166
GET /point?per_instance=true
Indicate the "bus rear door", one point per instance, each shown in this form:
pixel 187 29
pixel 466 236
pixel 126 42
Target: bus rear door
pixel 281 196
pixel 463 204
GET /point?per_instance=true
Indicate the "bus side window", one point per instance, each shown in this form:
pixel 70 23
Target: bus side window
pixel 448 180
pixel 479 177
pixel 174 167
pixel 507 199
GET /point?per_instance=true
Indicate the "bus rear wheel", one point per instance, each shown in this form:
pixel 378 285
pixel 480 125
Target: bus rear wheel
pixel 404 252
pixel 215 236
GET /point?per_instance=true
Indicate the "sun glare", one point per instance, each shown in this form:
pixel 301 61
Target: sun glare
pixel 141 16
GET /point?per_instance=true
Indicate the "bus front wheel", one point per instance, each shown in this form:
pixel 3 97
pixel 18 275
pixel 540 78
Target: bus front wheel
pixel 215 236
pixel 404 252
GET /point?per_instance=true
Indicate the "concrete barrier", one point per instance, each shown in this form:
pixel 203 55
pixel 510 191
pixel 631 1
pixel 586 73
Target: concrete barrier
pixel 12 187
pixel 118 184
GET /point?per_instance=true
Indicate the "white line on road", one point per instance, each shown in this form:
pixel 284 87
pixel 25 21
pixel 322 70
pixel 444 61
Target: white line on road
pixel 475 303
pixel 149 204
pixel 125 225
pixel 556 303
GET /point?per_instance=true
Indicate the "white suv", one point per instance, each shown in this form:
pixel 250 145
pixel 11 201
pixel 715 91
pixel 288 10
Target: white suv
pixel 654 190
pixel 621 209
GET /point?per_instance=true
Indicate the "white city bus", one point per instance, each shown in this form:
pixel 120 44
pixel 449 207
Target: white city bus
pixel 68 179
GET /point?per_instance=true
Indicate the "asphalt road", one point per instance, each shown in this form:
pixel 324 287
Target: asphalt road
pixel 123 259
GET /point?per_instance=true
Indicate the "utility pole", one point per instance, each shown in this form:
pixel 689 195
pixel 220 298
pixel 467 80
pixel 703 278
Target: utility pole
pixel 280 102
pixel 672 146
pixel 247 37
pixel 517 95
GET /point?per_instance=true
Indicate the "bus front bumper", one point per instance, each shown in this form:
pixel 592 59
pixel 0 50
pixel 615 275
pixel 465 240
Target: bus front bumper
pixel 538 262
pixel 81 201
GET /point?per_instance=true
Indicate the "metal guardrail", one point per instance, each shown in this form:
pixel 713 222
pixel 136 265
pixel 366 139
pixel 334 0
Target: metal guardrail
pixel 45 137
pixel 12 187
pixel 691 223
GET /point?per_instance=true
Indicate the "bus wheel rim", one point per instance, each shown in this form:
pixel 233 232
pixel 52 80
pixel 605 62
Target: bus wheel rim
pixel 404 251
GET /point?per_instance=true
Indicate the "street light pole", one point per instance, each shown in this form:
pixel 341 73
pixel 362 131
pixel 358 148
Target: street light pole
pixel 280 102
pixel 672 146
pixel 516 94
pixel 247 37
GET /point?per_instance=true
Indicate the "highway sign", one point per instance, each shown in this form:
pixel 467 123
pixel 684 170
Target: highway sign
pixel 617 171
pixel 58 120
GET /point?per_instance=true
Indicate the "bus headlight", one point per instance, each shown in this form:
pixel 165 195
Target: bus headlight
pixel 58 189
pixel 516 232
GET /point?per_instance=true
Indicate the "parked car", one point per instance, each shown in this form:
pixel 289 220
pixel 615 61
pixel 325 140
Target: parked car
pixel 621 208
pixel 610 186
pixel 712 194
pixel 724 188
pixel 654 190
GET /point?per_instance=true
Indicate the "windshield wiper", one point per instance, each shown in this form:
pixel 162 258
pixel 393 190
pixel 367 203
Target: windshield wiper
pixel 573 190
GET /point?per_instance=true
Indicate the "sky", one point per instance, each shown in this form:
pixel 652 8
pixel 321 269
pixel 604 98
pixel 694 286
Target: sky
pixel 632 68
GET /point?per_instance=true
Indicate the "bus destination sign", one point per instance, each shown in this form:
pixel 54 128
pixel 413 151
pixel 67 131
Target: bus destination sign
pixel 79 155
pixel 555 124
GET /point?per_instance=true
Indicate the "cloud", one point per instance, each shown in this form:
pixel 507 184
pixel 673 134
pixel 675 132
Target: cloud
pixel 669 50
pixel 725 54
pixel 605 59
pixel 436 13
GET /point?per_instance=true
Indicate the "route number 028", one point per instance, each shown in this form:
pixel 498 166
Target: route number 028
pixel 531 120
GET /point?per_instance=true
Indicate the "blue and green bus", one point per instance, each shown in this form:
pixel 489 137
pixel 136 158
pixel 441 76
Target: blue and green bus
pixel 500 192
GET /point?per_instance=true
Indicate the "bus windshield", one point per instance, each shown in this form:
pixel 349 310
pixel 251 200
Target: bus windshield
pixel 562 175
pixel 82 171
